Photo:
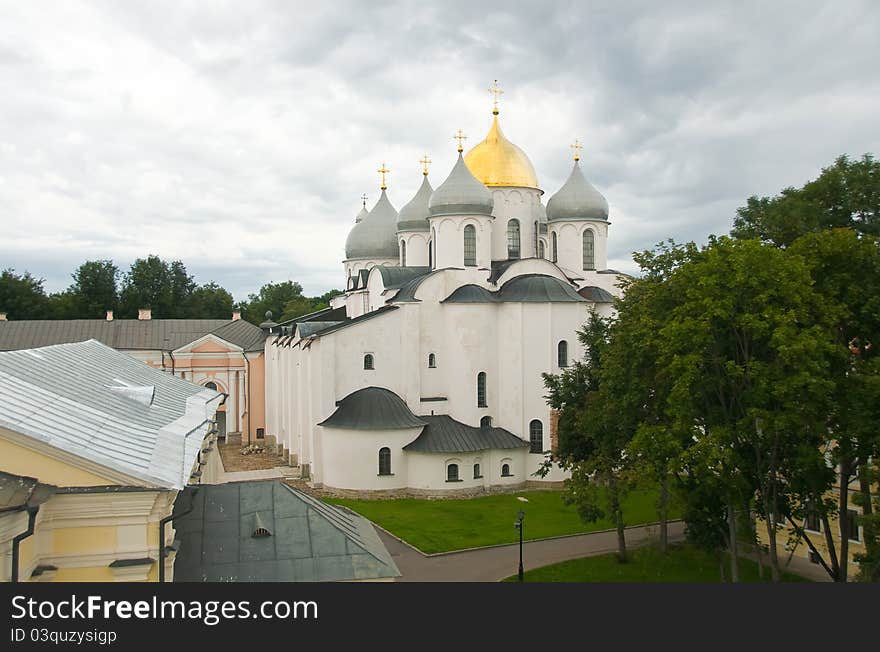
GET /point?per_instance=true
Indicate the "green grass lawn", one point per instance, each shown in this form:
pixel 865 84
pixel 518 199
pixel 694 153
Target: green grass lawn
pixel 443 525
pixel 682 564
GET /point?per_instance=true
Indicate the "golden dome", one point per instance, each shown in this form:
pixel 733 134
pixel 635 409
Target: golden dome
pixel 498 162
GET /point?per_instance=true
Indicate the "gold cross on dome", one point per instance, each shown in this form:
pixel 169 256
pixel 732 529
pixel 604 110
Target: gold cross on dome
pixel 576 146
pixel 460 137
pixel 383 171
pixel 495 89
pixel 364 199
pixel 425 161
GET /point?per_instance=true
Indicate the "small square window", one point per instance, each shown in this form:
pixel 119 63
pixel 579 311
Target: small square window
pixel 852 518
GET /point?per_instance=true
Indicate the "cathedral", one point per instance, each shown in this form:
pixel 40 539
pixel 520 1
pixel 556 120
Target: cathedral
pixel 424 378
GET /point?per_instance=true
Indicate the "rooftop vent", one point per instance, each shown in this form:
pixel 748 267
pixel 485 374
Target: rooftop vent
pixel 260 530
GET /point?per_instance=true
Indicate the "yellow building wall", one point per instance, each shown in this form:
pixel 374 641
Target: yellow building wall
pixel 24 461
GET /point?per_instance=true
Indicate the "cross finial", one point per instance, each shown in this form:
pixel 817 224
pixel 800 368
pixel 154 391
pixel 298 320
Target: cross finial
pixel 383 171
pixel 576 146
pixel 460 137
pixel 495 89
pixel 364 199
pixel 425 161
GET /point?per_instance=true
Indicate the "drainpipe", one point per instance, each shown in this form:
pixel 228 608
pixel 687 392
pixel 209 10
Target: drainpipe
pixel 32 519
pixel 162 523
pixel 171 355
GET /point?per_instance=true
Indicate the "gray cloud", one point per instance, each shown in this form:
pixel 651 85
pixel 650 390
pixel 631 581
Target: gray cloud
pixel 239 137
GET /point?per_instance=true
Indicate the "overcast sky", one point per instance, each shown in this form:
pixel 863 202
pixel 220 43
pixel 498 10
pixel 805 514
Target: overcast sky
pixel 239 136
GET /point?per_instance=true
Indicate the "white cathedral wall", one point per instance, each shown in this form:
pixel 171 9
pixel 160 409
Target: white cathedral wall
pixel 531 266
pixel 449 231
pixel 570 252
pixel 351 458
pixel 416 247
pixel 519 203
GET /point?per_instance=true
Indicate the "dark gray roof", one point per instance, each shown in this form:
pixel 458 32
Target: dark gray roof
pixel 577 200
pixel 537 288
pixel 407 291
pixel 18 492
pixel 443 434
pixel 596 294
pixel 307 328
pixel 372 408
pixel 470 294
pixel 499 267
pixel 461 194
pixel 394 277
pixel 528 288
pixel 357 320
pixel 310 541
pixel 363 275
pixel 414 216
pixel 324 314
pixel 127 334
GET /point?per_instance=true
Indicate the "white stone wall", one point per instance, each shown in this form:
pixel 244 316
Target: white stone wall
pixel 416 248
pixel 570 244
pixel 450 240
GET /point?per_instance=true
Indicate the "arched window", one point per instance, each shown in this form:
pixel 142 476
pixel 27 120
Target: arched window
pixel 470 246
pixel 431 255
pixel 562 353
pixel 432 360
pixel 452 473
pixel 211 385
pixel 505 471
pixel 540 249
pixel 403 253
pixel 553 250
pixel 513 239
pixel 368 361
pixel 385 461
pixel 477 472
pixel 589 255
pixel 434 246
pixel 481 389
pixel 486 422
pixel 536 436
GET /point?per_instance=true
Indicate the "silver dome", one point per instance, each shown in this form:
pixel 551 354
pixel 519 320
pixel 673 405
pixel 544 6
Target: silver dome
pixel 577 200
pixel 461 194
pixel 375 236
pixel 361 215
pixel 414 216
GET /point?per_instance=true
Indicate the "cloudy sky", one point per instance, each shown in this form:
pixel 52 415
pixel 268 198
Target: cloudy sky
pixel 239 136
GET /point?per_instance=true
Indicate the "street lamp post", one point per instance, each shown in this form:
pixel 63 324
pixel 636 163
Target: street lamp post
pixel 519 526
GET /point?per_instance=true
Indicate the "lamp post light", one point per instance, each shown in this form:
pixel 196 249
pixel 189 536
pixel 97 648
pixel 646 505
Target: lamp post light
pixel 519 526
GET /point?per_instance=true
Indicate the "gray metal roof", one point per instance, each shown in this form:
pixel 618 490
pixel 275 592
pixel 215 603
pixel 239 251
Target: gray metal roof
pixel 372 408
pixel 361 214
pixel 127 334
pixel 470 293
pixel 528 288
pixel 19 492
pixel 407 291
pixel 596 294
pixel 307 328
pixel 443 434
pixel 577 200
pixel 414 216
pixel 310 541
pixel 461 194
pixel 537 288
pixel 395 277
pixel 375 236
pixel 357 320
pixel 63 396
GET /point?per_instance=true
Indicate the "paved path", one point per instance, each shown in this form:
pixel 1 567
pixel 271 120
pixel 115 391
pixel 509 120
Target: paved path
pixel 277 473
pixel 493 564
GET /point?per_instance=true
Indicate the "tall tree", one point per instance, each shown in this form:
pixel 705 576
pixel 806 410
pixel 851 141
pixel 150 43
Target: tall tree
pixel 846 194
pixel 94 289
pixel 211 301
pixel 22 296
pixel 153 283
pixel 272 297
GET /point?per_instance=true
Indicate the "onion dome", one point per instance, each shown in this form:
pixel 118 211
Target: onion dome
pixel 498 162
pixel 577 200
pixel 361 215
pixel 375 236
pixel 414 216
pixel 461 194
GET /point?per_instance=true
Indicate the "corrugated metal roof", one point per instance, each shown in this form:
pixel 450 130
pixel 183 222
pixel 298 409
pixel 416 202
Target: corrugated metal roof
pixel 127 334
pixel 61 396
pixel 372 408
pixel 310 541
pixel 443 434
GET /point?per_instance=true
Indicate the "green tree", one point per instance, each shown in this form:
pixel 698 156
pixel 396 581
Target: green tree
pixel 211 301
pixel 152 283
pixel 94 289
pixel 846 194
pixel 272 297
pixel 22 296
